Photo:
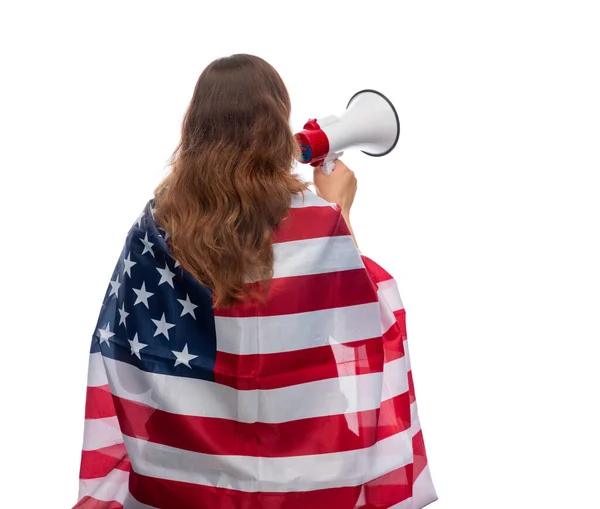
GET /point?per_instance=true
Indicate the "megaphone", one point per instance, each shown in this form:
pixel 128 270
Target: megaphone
pixel 369 123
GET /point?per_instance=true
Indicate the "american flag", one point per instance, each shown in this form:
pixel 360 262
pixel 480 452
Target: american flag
pixel 305 401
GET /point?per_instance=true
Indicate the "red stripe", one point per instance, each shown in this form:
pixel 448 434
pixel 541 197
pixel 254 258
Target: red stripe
pixel 400 315
pixel 317 435
pixel 393 344
pixel 100 462
pixel 300 294
pixel 420 456
pixel 275 370
pixel 411 388
pixel 282 369
pixel 311 223
pixel 390 489
pixel 378 273
pixel 93 503
pixel 383 492
pixel 98 403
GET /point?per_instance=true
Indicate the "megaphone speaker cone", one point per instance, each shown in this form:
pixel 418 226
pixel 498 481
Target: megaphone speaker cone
pixel 375 105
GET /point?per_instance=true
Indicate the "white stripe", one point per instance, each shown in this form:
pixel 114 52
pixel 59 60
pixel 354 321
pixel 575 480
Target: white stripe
pixel 309 199
pixel 251 474
pixel 388 290
pixel 387 318
pixel 96 373
pixel 315 256
pixel 98 433
pixel 112 487
pixel 286 333
pixel 189 396
pixel 415 422
pixel 395 379
pixel 406 354
pixel 423 492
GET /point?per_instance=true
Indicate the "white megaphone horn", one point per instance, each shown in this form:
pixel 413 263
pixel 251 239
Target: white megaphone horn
pixel 369 123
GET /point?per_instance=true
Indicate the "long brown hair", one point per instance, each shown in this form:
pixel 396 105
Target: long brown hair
pixel 231 180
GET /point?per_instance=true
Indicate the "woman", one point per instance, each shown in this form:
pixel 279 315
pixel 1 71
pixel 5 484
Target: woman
pixel 246 354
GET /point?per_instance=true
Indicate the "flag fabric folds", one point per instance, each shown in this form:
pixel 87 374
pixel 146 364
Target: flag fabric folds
pixel 303 401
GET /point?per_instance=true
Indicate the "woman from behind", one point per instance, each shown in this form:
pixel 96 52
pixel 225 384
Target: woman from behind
pixel 246 354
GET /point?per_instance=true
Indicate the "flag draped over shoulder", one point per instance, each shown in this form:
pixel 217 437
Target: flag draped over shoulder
pixel 304 401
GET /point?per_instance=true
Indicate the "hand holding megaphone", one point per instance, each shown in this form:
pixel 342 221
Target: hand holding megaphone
pixel 338 187
pixel 369 123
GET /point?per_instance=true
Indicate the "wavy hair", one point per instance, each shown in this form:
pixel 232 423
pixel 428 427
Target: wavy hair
pixel 231 179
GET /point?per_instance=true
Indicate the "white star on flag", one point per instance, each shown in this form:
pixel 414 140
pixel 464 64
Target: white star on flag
pixel 147 245
pixel 139 220
pixel 136 346
pixel 142 295
pixel 162 327
pixel 105 334
pixel 127 265
pixel 115 287
pixel 124 314
pixel 184 357
pixel 188 307
pixel 177 264
pixel 166 276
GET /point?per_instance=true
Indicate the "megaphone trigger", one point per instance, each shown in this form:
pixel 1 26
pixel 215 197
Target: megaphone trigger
pixel 327 167
pixel 329 163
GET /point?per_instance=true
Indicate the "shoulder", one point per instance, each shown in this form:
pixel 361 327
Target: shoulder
pixel 309 217
pixel 144 227
pixel 309 199
pixel 145 244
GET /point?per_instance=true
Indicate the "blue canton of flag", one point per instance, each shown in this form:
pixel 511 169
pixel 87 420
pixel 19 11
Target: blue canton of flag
pixel 148 321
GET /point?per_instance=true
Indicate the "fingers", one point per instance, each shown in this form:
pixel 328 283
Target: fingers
pixel 340 172
pixel 318 175
pixel 340 167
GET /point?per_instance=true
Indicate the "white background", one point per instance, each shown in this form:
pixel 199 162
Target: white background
pixel 487 213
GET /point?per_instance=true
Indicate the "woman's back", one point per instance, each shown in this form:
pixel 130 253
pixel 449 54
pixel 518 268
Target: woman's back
pixel 201 395
pixel 303 400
